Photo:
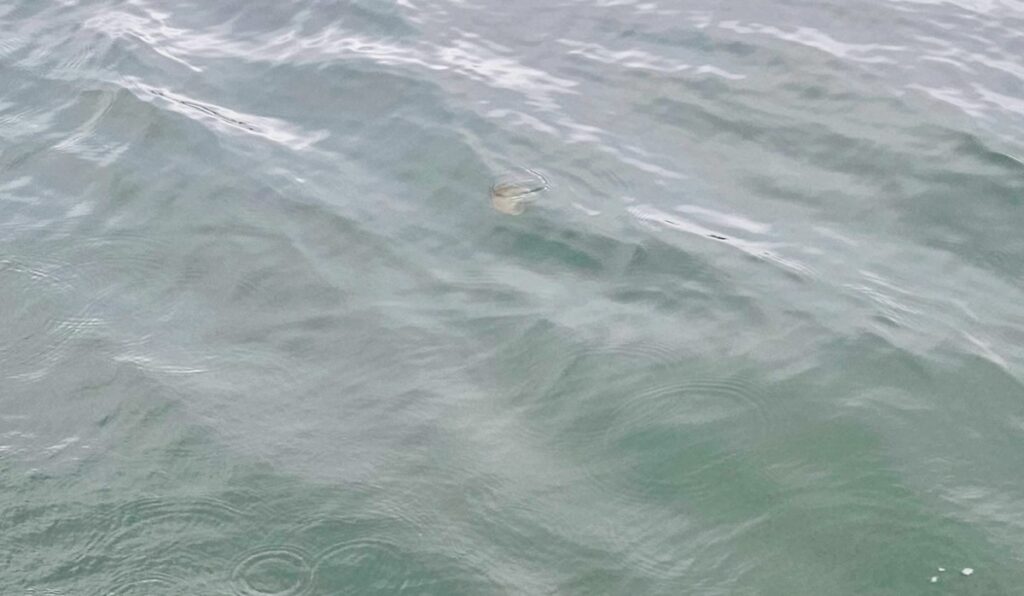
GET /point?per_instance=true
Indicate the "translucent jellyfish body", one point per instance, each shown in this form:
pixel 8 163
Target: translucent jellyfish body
pixel 513 191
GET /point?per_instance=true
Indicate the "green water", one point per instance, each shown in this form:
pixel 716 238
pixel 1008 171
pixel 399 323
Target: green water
pixel 263 333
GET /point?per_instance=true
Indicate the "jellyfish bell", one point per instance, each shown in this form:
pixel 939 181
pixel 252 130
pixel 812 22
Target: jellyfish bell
pixel 513 191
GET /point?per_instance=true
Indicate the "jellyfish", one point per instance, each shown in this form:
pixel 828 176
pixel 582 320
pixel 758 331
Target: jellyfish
pixel 513 191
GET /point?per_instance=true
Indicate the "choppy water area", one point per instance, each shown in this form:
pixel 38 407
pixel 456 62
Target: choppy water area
pixel 264 332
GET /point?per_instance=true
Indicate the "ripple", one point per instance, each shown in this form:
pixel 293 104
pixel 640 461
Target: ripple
pixel 205 510
pixel 572 394
pixel 112 527
pixel 143 586
pixel 277 571
pixel 119 259
pixel 39 315
pixel 678 434
pixel 637 353
pixel 350 567
pixel 692 402
pixel 124 548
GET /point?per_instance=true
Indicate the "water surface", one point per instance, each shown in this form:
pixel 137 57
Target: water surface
pixel 262 332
